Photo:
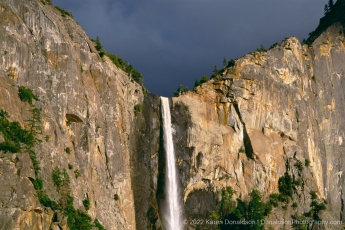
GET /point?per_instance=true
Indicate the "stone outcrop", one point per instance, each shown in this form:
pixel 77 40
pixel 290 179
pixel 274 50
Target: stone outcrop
pixel 251 124
pixel 86 105
pixel 244 128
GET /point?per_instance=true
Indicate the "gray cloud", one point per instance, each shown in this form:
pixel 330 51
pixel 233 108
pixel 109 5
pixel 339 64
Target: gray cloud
pixel 174 42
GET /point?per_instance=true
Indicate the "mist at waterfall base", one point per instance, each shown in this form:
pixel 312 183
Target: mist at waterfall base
pixel 172 208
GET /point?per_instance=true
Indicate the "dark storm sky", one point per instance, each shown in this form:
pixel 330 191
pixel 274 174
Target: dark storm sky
pixel 173 42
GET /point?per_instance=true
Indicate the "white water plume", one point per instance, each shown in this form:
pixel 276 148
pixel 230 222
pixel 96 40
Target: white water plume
pixel 172 211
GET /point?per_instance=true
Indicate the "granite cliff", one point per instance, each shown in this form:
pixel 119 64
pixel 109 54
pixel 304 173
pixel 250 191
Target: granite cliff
pixel 269 114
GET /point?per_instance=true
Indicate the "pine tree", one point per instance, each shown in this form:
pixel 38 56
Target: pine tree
pixel 262 48
pixel 231 63
pixel 99 47
pixel 204 79
pixel 197 83
pixel 35 123
pixel 326 9
pixel 224 62
pixel 180 90
pixel 215 70
pixel 330 4
pixel 98 44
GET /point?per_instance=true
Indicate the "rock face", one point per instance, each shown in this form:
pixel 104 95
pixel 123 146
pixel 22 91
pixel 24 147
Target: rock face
pixel 52 55
pixel 254 122
pixel 244 128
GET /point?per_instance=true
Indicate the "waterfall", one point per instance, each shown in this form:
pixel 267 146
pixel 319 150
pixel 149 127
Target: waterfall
pixel 172 215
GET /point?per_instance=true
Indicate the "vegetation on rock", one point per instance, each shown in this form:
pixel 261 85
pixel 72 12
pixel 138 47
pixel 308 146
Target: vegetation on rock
pixel 17 139
pixel 253 211
pixel 46 2
pixel 68 150
pixel 64 12
pixel 285 185
pixel 137 109
pixel 180 90
pixel 77 219
pixel 334 12
pixel 14 135
pixel 120 63
pixel 26 95
pixel 87 203
pixel 77 173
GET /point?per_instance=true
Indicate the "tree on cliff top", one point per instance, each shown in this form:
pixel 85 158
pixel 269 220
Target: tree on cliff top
pixel 334 12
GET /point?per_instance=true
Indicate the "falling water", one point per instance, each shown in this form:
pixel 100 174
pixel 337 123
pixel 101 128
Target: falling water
pixel 172 209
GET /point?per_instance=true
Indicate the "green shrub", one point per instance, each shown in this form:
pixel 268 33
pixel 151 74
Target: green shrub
pixel 70 166
pixel 273 199
pixel 37 183
pixel 35 121
pixel 3 114
pixel 99 225
pixel 42 195
pixel 274 45
pixel 12 132
pixel 307 162
pixel 240 211
pixel 47 2
pixel 204 79
pixel 77 173
pixel 284 198
pixel 299 165
pixel 121 64
pixel 17 134
pixel 180 90
pixel 98 45
pixel 57 177
pixel 257 209
pixel 285 185
pixel 196 83
pixel 299 222
pixel 47 137
pixel 34 161
pixel 46 201
pixel 316 208
pixel 137 109
pixel 231 63
pixel 116 197
pixel 215 72
pixel 297 182
pixel 294 205
pixel 78 220
pixel 313 195
pixel 86 203
pixel 261 49
pixel 225 206
pixel 241 150
pixel 14 135
pixel 64 12
pixel 26 95
pixel 68 122
pixel 68 150
pixel 8 147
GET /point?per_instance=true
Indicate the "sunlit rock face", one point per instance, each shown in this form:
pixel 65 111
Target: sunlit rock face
pixel 52 55
pixel 244 128
pixel 251 124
